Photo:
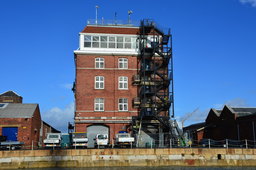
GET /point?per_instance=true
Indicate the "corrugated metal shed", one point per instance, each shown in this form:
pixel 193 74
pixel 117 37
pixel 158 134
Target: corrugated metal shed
pixel 17 110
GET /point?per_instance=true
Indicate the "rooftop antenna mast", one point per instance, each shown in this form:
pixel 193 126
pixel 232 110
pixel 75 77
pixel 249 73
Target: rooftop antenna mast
pixel 96 21
pixel 129 16
pixel 115 18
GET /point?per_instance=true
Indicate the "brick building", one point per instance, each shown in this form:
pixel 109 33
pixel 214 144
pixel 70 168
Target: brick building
pixel 10 97
pixel 231 123
pixel 22 122
pixel 105 63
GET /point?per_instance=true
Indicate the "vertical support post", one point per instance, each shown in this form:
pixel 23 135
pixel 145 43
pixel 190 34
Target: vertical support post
pixel 209 143
pixel 246 144
pixel 227 143
pixel 151 143
pixel 75 144
pixel 170 143
pixel 138 136
pixel 32 145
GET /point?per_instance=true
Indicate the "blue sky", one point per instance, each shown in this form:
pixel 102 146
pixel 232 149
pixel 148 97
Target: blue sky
pixel 214 44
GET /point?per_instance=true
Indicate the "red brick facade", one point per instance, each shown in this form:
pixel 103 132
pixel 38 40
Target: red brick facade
pixel 85 94
pixel 31 130
pixel 28 128
pixel 10 97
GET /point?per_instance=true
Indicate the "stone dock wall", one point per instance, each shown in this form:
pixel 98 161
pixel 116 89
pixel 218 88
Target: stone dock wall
pixel 127 157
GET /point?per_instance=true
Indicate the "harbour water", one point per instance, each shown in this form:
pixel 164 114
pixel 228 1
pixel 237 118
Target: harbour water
pixel 151 168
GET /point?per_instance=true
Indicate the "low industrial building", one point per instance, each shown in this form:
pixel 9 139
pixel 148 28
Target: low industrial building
pixel 22 122
pixel 230 123
pixel 195 131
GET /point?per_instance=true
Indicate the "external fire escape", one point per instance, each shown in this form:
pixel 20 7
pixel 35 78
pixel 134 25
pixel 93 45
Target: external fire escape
pixel 155 81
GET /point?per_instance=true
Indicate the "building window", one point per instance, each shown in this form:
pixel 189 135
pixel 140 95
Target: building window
pixel 123 82
pixel 99 63
pixel 112 42
pixel 123 104
pixel 128 42
pixel 95 42
pixel 103 42
pixel 99 104
pixel 120 42
pixel 124 42
pixel 99 82
pixel 123 63
pixel 87 41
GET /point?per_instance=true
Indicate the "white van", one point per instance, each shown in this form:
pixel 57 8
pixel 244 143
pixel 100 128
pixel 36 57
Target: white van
pixel 101 140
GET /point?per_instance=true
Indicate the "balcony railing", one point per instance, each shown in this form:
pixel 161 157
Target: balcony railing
pixel 103 22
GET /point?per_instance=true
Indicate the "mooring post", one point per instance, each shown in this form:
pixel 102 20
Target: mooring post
pixel 246 144
pixel 209 143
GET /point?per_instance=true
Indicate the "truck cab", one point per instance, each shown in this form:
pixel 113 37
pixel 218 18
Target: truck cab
pixel 79 139
pixel 123 140
pixel 101 140
pixel 53 140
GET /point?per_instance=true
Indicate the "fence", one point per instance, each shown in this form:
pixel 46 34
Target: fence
pixel 204 143
pixel 152 143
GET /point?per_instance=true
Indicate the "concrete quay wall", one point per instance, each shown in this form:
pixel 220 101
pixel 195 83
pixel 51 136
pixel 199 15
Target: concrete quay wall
pixel 127 157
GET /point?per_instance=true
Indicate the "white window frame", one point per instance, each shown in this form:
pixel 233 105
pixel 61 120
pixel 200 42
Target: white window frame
pixel 123 83
pixel 95 41
pixel 103 41
pixel 123 63
pixel 123 104
pixel 99 104
pixel 99 82
pixel 128 42
pixel 88 40
pixel 99 63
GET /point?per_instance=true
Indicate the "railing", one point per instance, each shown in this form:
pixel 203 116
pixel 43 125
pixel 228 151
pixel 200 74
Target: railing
pixel 152 143
pixel 103 22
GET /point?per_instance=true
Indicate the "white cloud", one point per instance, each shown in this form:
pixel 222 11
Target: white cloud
pixel 252 2
pixel 196 116
pixel 59 117
pixel 236 102
pixel 67 86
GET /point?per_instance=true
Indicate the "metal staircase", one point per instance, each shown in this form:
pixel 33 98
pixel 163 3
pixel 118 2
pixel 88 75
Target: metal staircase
pixel 155 80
